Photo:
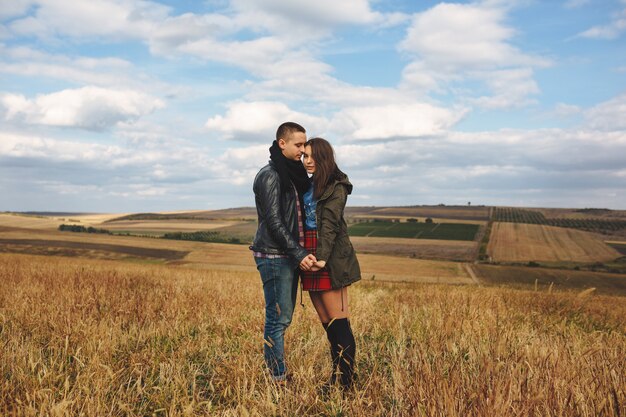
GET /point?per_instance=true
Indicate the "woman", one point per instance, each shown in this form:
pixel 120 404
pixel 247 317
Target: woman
pixel 326 235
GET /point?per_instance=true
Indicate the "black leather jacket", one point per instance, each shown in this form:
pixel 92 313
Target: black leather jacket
pixel 278 218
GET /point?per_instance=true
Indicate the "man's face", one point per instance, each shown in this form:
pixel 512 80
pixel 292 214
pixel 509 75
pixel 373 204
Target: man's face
pixel 293 146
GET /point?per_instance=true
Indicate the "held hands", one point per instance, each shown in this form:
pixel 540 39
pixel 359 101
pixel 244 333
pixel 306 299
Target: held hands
pixel 310 263
pixel 318 265
pixel 307 262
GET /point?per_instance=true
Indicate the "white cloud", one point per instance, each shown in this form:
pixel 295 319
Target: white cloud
pixel 395 121
pixel 573 4
pixel 92 108
pixel 447 34
pixel 13 8
pixel 247 54
pixel 107 71
pixel 134 19
pixel 509 88
pixel 612 30
pixel 238 166
pixel 257 121
pixel 272 29
pixel 607 116
pixel 565 110
pixel 177 31
pixel 27 146
pixel 168 161
pixel 452 43
pixel 316 13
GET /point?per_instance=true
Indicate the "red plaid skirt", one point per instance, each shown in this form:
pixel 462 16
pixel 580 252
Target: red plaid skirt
pixel 318 280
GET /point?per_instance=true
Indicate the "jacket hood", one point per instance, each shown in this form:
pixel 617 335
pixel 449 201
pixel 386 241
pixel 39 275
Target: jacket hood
pixel 343 181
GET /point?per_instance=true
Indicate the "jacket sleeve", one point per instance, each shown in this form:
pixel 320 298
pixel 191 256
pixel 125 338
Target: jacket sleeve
pixel 269 196
pixel 331 217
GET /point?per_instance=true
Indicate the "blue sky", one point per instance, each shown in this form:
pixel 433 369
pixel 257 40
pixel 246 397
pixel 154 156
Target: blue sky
pixel 137 106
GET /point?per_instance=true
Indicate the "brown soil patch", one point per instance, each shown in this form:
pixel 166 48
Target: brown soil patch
pixel 68 248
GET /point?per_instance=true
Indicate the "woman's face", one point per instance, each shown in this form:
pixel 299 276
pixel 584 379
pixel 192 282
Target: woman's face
pixel 307 160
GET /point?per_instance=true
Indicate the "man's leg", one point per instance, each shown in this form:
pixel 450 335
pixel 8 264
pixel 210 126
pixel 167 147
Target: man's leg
pixel 280 287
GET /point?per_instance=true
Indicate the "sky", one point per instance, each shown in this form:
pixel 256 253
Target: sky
pixel 145 106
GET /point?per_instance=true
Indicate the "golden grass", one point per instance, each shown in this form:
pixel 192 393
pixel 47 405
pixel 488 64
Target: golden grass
pixel 53 222
pixel 388 268
pixel 28 222
pixel 83 337
pixel 166 225
pixel 516 242
pixel 92 219
pixel 418 248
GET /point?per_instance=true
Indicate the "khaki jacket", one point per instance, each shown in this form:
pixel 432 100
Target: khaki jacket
pixel 333 243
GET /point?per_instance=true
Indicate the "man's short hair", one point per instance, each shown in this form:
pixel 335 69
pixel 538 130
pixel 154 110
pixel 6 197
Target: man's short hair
pixel 286 129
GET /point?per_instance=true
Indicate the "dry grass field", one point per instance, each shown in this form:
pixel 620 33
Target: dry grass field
pixel 166 225
pixel 202 255
pixel 52 222
pixel 416 248
pixel 517 242
pixel 546 278
pixel 88 337
pixel 29 222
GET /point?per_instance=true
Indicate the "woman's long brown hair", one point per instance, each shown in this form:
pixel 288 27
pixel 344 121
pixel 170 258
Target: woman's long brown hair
pixel 326 169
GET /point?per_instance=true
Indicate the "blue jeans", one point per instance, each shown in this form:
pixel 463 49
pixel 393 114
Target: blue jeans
pixel 280 286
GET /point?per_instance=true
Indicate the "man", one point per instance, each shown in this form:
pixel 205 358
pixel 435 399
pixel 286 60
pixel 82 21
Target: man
pixel 277 248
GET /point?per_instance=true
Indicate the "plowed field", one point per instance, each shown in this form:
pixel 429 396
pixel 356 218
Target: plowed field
pixel 517 242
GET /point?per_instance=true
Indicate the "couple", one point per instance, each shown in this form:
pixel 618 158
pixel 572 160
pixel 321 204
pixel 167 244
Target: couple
pixel 302 232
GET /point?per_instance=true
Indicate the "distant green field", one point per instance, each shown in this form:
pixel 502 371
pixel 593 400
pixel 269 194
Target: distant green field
pixel 441 231
pixel 620 247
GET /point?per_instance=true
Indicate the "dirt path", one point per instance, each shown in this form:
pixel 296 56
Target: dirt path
pixel 471 273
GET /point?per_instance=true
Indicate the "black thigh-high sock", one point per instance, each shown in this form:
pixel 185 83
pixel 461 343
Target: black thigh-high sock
pixel 334 355
pixel 345 346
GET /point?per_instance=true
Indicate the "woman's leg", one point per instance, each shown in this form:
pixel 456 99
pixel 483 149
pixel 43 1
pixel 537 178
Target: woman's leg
pixel 334 305
pixel 316 299
pixel 320 308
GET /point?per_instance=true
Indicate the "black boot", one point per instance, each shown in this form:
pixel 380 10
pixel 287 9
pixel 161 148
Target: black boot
pixel 327 386
pixel 344 346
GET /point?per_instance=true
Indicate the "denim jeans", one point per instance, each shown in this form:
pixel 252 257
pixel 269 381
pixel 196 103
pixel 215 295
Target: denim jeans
pixel 280 287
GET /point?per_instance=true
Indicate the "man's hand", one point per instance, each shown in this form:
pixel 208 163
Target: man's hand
pixel 307 262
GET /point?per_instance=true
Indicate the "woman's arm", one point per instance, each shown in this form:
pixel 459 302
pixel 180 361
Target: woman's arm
pixel 330 222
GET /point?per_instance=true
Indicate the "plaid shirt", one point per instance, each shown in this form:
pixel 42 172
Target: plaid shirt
pixel 300 234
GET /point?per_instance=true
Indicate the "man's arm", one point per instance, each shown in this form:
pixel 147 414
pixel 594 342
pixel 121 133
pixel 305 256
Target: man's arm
pixel 268 188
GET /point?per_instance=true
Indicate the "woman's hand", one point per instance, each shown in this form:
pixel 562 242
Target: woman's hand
pixel 318 265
